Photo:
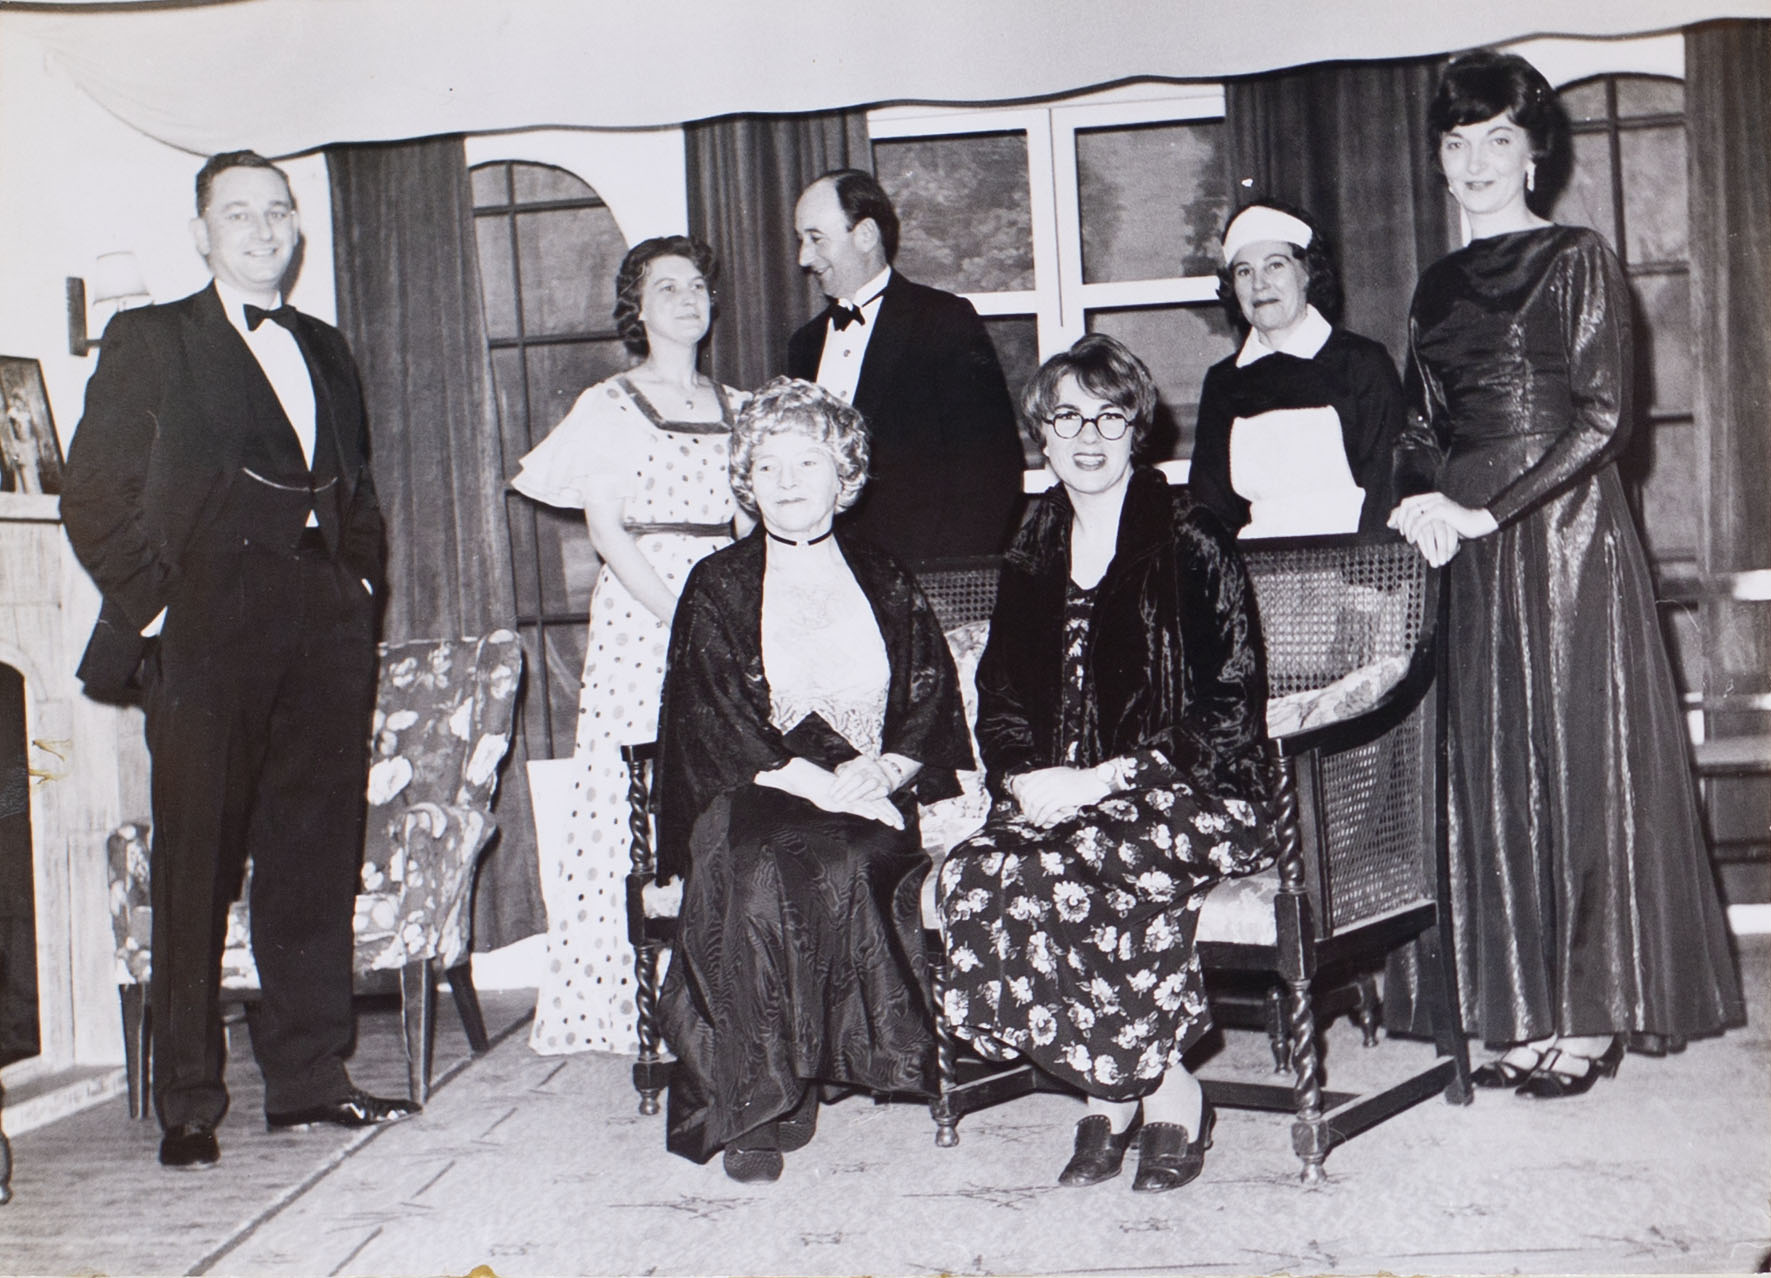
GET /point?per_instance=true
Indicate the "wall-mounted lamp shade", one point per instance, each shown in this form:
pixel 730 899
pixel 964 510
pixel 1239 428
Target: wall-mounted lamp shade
pixel 116 278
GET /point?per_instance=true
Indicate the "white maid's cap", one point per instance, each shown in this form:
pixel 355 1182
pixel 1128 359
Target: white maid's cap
pixel 1258 222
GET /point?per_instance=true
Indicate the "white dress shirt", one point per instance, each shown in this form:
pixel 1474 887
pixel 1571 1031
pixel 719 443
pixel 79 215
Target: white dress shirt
pixel 839 369
pixel 279 355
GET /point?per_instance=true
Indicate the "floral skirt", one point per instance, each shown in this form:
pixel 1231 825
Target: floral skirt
pixel 1073 945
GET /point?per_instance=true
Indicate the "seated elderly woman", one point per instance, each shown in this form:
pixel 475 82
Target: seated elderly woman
pixel 1121 700
pixel 1297 428
pixel 809 703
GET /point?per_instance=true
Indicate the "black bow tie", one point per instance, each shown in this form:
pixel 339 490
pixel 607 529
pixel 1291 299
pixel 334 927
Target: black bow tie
pixel 842 314
pixel 256 315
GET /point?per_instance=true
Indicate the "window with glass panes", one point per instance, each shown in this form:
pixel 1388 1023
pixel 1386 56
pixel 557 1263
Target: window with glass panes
pixel 549 250
pixel 1100 214
pixel 1629 183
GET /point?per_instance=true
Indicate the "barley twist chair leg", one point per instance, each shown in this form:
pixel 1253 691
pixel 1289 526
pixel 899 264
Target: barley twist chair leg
pixel 649 1071
pixel 1309 1133
pixel 946 1066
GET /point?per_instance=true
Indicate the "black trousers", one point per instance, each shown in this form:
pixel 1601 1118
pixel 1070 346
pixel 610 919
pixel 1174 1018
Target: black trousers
pixel 258 700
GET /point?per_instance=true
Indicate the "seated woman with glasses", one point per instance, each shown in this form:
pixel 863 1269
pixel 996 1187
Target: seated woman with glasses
pixel 1121 707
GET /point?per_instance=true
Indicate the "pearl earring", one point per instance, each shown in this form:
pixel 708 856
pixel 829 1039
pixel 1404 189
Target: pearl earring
pixel 1531 177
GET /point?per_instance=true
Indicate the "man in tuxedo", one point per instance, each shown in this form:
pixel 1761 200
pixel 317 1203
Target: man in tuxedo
pixel 945 475
pixel 218 491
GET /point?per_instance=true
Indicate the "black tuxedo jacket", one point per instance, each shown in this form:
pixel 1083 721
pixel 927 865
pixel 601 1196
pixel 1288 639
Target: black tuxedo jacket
pixel 184 450
pixel 945 475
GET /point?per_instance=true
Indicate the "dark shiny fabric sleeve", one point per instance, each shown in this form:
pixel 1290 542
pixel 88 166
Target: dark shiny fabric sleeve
pixel 1594 301
pixel 1420 448
pixel 1026 641
pixel 1221 732
pixel 713 725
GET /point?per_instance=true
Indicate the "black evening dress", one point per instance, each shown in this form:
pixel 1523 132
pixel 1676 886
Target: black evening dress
pixel 799 959
pixel 1585 902
pixel 1073 945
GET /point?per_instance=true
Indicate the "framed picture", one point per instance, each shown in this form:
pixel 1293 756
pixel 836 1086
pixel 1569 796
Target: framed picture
pixel 30 453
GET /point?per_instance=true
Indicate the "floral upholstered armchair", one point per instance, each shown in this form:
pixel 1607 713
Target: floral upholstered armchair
pixel 442 726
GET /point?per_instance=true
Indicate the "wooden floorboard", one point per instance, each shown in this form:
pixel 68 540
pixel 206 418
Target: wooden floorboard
pixel 90 1196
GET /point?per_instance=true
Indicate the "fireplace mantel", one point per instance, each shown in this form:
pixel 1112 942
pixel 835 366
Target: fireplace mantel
pixel 88 768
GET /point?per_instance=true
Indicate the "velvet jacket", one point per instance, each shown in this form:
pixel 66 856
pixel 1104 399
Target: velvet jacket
pixel 715 733
pixel 1174 663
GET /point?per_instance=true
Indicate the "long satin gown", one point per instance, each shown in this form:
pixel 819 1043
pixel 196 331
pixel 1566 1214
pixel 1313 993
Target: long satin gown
pixel 1585 901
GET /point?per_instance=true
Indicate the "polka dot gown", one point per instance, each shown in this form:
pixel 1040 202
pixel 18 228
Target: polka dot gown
pixel 671 473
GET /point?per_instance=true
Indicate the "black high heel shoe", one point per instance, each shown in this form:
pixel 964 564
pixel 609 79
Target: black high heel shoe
pixel 1100 1151
pixel 1549 1083
pixel 1500 1072
pixel 1167 1159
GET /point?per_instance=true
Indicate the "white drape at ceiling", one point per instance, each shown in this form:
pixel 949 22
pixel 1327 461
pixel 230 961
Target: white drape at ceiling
pixel 290 75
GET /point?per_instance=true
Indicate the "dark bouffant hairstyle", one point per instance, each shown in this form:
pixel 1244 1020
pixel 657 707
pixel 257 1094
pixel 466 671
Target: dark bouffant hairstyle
pixel 233 160
pixel 1484 84
pixel 861 196
pixel 630 280
pixel 1324 289
pixel 1104 367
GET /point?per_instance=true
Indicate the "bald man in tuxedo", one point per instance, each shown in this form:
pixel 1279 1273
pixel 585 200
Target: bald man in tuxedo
pixel 946 466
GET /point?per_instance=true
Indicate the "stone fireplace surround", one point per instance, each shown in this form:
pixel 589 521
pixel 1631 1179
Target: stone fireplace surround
pixel 88 768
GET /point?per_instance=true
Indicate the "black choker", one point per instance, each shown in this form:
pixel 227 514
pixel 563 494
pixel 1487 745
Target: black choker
pixel 788 541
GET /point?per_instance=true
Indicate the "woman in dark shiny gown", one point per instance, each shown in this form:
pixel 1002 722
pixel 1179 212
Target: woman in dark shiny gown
pixel 1586 907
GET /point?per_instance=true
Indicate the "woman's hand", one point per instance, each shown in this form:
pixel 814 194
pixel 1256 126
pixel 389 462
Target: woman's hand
pixel 1049 795
pixel 861 778
pixel 820 787
pixel 1435 525
pixel 874 777
pixel 617 548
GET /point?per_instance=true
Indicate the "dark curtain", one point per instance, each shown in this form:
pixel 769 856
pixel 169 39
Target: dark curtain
pixel 1348 142
pixel 409 302
pixel 745 173
pixel 1727 121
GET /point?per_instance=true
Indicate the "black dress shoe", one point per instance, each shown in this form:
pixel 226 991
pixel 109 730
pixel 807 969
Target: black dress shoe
pixel 755 1156
pixel 1500 1072
pixel 1100 1151
pixel 1167 1159
pixel 189 1146
pixel 356 1108
pixel 1553 1080
pixel 794 1129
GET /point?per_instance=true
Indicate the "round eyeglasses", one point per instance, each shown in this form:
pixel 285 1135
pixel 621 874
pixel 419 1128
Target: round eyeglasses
pixel 1109 423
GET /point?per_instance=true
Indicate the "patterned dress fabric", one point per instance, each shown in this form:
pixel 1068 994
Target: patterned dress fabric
pixel 1074 945
pixel 1585 902
pixel 615 443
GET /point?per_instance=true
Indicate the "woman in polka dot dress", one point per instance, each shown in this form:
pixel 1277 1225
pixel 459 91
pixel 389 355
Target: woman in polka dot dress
pixel 644 456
